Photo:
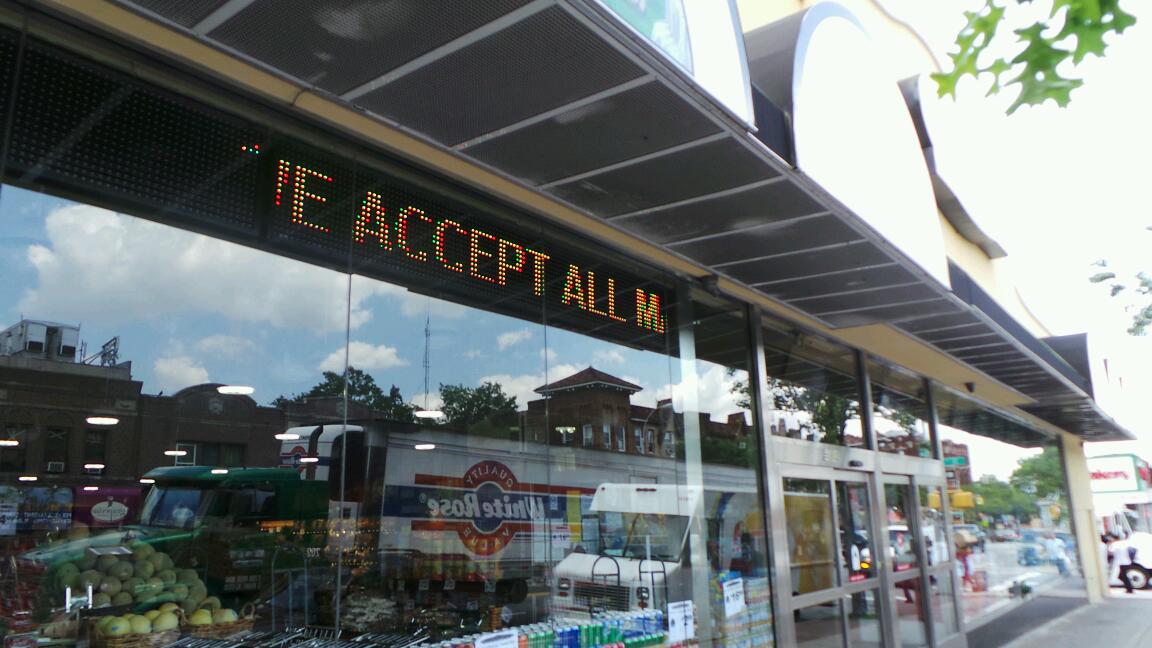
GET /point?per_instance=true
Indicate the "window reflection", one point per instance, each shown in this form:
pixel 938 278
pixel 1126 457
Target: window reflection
pixel 811 387
pixel 381 458
pixel 900 413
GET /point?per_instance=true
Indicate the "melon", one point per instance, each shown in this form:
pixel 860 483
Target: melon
pixel 141 625
pixel 104 563
pixel 123 598
pixel 111 585
pixel 165 621
pixel 90 577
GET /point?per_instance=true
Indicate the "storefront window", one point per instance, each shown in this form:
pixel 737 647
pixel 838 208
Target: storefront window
pixel 402 456
pixel 855 534
pixel 811 388
pixel 1005 487
pixel 820 626
pixel 901 530
pixel 864 627
pixel 899 411
pixel 908 599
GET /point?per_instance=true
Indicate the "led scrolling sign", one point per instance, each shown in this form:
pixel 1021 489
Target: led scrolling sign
pixel 408 233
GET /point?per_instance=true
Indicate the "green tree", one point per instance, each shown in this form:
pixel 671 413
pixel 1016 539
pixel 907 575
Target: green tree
pixel 1073 30
pixel 1001 498
pixel 362 388
pixel 1142 318
pixel 1043 474
pixel 469 406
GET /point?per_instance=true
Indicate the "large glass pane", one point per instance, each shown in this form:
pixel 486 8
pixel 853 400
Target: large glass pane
pixel 933 528
pixel 855 530
pixel 183 446
pixel 943 605
pixel 864 627
pixel 812 388
pixel 820 626
pixel 900 413
pixel 1011 529
pixel 811 535
pixel 730 452
pixel 909 602
pixel 901 530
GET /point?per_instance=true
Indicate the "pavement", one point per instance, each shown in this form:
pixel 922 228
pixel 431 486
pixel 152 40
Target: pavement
pixel 1120 621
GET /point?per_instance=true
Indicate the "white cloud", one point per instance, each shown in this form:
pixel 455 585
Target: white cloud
pixel 608 357
pixel 225 345
pixel 473 354
pixel 177 372
pixel 550 355
pixel 512 338
pixel 363 355
pixel 123 269
pixel 521 386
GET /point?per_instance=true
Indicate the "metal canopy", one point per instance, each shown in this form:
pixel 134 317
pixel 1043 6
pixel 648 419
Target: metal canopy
pixel 560 97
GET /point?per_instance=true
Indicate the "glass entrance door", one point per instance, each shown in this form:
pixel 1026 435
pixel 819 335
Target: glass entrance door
pixel 831 550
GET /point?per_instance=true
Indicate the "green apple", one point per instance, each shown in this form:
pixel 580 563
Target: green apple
pixel 117 627
pixel 90 577
pixel 111 585
pixel 200 618
pixel 141 625
pixel 165 621
pixel 169 607
pixel 224 616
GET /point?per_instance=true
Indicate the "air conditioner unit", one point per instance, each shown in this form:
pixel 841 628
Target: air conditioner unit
pixel 55 467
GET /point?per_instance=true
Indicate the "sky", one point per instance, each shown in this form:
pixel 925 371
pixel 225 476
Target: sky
pixel 1059 188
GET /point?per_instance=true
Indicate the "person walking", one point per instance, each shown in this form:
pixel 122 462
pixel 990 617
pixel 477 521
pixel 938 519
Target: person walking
pixel 1120 555
pixel 1057 552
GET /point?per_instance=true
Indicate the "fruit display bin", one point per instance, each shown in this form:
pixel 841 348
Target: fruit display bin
pixel 220 630
pixel 149 640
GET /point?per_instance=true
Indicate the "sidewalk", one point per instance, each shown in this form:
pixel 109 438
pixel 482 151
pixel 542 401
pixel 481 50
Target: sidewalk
pixel 1121 621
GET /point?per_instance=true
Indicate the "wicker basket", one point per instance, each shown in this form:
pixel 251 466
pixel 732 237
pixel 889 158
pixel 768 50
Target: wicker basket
pixel 150 640
pixel 244 623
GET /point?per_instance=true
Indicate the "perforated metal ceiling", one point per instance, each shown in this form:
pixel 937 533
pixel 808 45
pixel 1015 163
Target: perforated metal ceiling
pixel 554 94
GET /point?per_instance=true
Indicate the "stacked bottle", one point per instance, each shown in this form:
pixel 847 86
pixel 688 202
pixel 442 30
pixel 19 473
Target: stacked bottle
pixel 643 629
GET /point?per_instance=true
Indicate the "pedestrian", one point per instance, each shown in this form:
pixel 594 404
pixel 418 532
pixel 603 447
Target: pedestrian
pixel 1120 556
pixel 1057 552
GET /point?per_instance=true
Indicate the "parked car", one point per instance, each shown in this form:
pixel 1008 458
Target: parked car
pixel 1005 535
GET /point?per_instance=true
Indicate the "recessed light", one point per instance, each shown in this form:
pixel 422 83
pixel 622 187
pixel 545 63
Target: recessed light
pixel 94 466
pixel 102 420
pixel 219 471
pixel 176 453
pixel 9 443
pixel 91 488
pixel 235 390
pixel 27 478
pixel 286 436
pixel 147 480
pixel 425 446
pixel 309 459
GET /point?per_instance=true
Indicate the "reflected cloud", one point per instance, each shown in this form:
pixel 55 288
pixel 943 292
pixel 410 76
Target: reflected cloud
pixel 365 356
pixel 177 372
pixel 512 338
pixel 225 345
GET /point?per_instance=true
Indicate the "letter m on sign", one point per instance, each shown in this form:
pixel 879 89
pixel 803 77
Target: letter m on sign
pixel 648 311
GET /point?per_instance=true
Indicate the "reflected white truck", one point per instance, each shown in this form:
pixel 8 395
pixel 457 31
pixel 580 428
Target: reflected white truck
pixel 638 558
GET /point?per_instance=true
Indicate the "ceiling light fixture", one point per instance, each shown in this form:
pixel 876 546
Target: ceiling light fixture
pixel 286 436
pixel 102 420
pixel 176 453
pixel 93 466
pixel 235 390
pixel 425 446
